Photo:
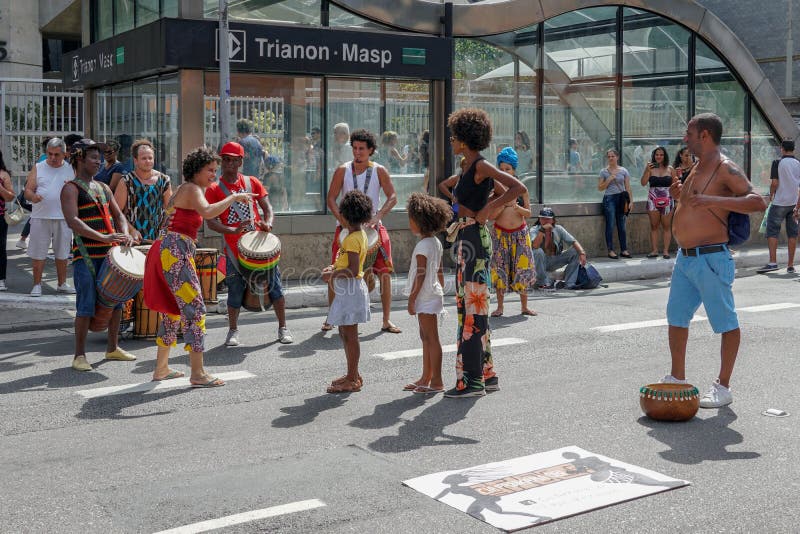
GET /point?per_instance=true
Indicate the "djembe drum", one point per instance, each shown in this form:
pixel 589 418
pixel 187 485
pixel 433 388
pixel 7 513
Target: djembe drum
pixel 145 320
pixel 669 402
pixel 259 254
pixel 205 261
pixel 120 277
pixel 373 248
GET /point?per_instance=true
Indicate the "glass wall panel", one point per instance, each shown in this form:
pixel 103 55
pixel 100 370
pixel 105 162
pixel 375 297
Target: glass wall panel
pixel 102 115
pixel 718 91
pixel 103 20
pixel 765 148
pixel 123 15
pixel 653 44
pixel 122 123
pixel 580 103
pixel 168 149
pixel 169 8
pixel 407 118
pixel 146 11
pixel 357 104
pixel 283 112
pixel 654 114
pixel 299 11
pixel 338 17
pixel 503 85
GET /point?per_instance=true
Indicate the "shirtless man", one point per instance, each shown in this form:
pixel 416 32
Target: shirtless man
pixel 704 269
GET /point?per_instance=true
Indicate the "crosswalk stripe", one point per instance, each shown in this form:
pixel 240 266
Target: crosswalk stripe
pixel 663 322
pixel 246 517
pixel 147 387
pixel 411 353
pixel 770 307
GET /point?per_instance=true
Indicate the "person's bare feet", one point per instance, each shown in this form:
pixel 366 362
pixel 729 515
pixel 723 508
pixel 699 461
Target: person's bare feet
pixel 528 311
pixel 498 312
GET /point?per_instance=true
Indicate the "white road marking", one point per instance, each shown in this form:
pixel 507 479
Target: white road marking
pixel 411 353
pixel 640 324
pixel 147 387
pixel 770 307
pixel 663 322
pixel 246 517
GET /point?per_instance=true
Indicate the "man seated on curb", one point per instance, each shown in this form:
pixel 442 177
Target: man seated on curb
pixel 554 247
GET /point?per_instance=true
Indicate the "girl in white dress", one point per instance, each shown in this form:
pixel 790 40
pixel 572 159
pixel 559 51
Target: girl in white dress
pixel 350 304
pixel 427 216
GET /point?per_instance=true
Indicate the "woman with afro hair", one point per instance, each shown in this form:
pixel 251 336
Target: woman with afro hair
pixel 472 132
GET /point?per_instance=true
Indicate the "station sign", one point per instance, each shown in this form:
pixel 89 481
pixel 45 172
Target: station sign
pixel 170 44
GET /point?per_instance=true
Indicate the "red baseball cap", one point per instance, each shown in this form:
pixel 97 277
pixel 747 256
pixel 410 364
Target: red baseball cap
pixel 232 149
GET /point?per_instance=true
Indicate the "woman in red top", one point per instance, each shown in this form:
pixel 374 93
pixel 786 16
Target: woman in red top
pixel 176 254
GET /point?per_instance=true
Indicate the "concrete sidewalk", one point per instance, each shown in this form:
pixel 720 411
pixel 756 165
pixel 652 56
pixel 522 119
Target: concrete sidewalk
pixel 21 312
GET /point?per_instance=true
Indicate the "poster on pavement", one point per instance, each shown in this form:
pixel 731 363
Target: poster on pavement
pixel 536 489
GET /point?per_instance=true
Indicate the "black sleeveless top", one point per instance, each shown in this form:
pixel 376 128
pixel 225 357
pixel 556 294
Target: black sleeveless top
pixel 660 181
pixel 473 196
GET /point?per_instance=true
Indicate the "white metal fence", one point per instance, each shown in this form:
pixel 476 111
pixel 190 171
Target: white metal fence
pixel 30 110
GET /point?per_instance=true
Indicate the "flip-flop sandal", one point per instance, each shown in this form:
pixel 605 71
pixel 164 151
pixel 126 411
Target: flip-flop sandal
pixel 495 314
pixel 666 256
pixel 392 329
pixel 326 327
pixel 170 376
pixel 344 378
pixel 532 313
pixel 213 382
pixel 344 387
pixel 426 389
pixel 651 255
pixel 411 386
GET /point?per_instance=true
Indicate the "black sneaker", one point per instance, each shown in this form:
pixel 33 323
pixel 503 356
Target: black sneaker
pixel 768 268
pixel 492 384
pixel 466 392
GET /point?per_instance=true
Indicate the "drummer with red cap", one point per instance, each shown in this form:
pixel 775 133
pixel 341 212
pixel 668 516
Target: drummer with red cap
pixel 232 223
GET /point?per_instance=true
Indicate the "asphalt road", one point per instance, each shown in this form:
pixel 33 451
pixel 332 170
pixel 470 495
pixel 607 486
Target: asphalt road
pixel 152 461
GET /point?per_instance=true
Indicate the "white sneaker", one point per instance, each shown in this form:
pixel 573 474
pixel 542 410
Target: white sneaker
pixel 3 285
pixel 22 244
pixel 284 336
pixel 232 339
pixel 66 288
pixel 37 290
pixel 717 397
pixel 669 379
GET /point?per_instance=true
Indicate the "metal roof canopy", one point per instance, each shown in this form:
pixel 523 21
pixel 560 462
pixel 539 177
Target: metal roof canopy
pixel 493 17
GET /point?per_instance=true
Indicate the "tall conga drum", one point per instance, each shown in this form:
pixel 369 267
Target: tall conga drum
pixel 205 261
pixel 120 277
pixel 145 320
pixel 259 254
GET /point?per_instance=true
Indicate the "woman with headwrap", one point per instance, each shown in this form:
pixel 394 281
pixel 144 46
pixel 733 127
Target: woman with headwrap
pixel 512 259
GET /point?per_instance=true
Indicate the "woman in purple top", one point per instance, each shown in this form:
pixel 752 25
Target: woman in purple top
pixel 614 181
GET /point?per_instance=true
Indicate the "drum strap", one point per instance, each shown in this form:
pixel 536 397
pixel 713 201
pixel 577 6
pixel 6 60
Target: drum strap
pixel 366 180
pixel 235 207
pixel 100 200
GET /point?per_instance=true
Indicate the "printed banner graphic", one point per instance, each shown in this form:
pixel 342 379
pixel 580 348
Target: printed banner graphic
pixel 536 489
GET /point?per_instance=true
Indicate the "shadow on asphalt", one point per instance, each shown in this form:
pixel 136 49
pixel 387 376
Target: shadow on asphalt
pixel 699 440
pixel 63 377
pixel 388 414
pixel 309 410
pixel 111 407
pixel 427 428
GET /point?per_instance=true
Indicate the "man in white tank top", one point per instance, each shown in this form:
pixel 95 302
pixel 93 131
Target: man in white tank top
pixel 43 191
pixel 371 178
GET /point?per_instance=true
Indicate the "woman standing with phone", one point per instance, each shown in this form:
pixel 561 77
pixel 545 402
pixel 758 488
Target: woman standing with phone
pixel 658 176
pixel 614 181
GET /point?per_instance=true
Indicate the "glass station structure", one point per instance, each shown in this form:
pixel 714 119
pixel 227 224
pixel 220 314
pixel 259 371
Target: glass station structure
pixel 597 77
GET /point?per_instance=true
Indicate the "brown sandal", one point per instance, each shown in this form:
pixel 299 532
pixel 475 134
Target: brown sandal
pixel 344 378
pixel 348 386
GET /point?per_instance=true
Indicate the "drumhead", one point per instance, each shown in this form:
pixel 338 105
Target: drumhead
pixel 206 251
pixel 128 260
pixel 372 236
pixel 259 244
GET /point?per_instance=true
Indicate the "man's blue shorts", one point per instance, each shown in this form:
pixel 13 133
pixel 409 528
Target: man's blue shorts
pixel 236 284
pixel 706 279
pixel 85 292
